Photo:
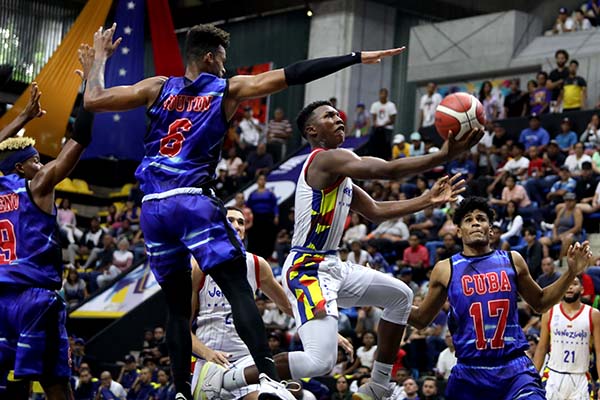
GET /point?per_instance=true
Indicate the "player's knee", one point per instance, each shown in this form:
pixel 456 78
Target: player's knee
pixel 399 304
pixel 321 362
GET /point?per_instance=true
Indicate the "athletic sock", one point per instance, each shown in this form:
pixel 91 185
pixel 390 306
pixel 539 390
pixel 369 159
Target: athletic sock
pixel 381 373
pixel 234 379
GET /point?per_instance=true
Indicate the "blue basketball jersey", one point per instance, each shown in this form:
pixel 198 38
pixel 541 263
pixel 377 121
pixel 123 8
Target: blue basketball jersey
pixel 185 136
pixel 30 254
pixel 483 308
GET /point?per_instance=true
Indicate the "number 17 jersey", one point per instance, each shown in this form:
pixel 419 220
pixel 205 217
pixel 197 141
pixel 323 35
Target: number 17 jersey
pixel 483 308
pixel 185 136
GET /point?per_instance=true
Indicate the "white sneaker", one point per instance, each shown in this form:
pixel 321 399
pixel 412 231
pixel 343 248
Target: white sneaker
pixel 210 382
pixel 270 389
pixel 372 391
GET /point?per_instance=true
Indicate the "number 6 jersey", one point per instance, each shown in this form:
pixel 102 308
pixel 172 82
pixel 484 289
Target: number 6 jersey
pixel 570 339
pixel 187 128
pixel 29 250
pixel 483 308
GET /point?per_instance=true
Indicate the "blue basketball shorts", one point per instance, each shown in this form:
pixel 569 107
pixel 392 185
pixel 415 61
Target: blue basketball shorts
pixel 515 379
pixel 177 226
pixel 33 336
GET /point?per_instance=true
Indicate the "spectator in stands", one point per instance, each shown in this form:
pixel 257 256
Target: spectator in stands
pixel 530 96
pixel 429 102
pixel 87 386
pixel 416 256
pixel 512 192
pixel 136 195
pixel 365 354
pixel 566 228
pixel 539 102
pixel 400 148
pixel 535 169
pixel 122 257
pixel 406 275
pixel 357 229
pixel 564 23
pixel 74 289
pixel 131 213
pixel 224 185
pixel 588 206
pixel 428 222
pixel 581 23
pixel 263 203
pixel 491 104
pixel 259 162
pixel 90 244
pixel 142 388
pixel 566 138
pixel 357 254
pixel 129 372
pixel 463 165
pixel 535 135
pixel 150 363
pixel 514 102
pixel 333 102
pixel 512 223
pixel 78 357
pixel 575 161
pixel 482 151
pixel 574 91
pixel 279 130
pixel 560 188
pixel 538 185
pixel 591 136
pixel 549 276
pixel 496 242
pixel 389 235
pixel 275 342
pixel 125 231
pixel 449 248
pixel 376 260
pixel 233 163
pixel 166 390
pixel 383 114
pixel 240 202
pixel 417 146
pixel 67 221
pixel 110 389
pixel 411 389
pixel 250 131
pixel 112 219
pixel 533 251
pixel 367 320
pixel 592 9
pixel 586 184
pixel 107 273
pixel 342 390
pixel 558 75
pixel 362 121
pixel 447 358
pixel 429 389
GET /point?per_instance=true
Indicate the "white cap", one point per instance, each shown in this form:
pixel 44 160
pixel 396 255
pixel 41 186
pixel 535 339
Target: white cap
pixel 433 150
pixel 415 136
pixel 399 138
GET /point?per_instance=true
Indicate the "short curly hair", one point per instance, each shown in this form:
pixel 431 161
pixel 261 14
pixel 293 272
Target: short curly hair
pixel 204 38
pixel 470 204
pixel 306 113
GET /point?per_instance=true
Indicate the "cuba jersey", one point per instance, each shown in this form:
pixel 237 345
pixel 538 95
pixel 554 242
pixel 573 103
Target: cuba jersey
pixel 215 323
pixel 185 136
pixel 30 254
pixel 483 317
pixel 320 214
pixel 570 339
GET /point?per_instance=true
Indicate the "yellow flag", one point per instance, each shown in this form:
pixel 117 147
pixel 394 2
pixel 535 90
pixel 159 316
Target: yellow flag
pixel 59 83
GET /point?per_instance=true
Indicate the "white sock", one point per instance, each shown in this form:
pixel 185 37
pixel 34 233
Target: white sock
pixel 381 373
pixel 234 379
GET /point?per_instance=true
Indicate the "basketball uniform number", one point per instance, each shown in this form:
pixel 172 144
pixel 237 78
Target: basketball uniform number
pixel 8 243
pixel 171 144
pixel 496 308
pixel 569 355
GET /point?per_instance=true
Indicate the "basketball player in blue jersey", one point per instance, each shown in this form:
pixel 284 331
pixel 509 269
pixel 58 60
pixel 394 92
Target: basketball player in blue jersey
pixel 315 279
pixel 33 337
pixel 189 116
pixel 482 286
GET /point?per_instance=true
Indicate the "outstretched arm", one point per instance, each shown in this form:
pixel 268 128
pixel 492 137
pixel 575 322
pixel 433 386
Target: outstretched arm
pixel 543 344
pixel 32 110
pixel 420 317
pixel 272 288
pixel 118 98
pixel 445 189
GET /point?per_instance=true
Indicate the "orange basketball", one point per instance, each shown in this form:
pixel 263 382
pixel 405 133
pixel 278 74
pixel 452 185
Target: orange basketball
pixel 459 113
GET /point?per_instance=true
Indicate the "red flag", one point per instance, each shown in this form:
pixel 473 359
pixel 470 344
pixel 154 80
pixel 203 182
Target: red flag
pixel 167 57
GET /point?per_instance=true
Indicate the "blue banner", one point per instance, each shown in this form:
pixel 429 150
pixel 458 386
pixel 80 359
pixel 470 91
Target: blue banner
pixel 121 134
pixel 282 180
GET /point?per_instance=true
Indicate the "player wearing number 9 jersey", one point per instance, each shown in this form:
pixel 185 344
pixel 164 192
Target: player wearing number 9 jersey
pixel 180 215
pixel 33 338
pixel 482 287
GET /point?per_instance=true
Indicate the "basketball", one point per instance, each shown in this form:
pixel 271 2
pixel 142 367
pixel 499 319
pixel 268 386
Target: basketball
pixel 459 113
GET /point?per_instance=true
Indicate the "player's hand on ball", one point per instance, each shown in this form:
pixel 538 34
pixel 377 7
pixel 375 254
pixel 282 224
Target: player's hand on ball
pixel 218 357
pixel 454 147
pixel 103 41
pixel 579 256
pixel 375 57
pixel 447 189
pixel 86 59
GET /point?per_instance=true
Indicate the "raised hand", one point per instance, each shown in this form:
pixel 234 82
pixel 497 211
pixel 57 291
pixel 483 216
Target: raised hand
pixel 103 41
pixel 375 57
pixel 33 109
pixel 86 58
pixel 579 256
pixel 447 189
pixel 454 147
